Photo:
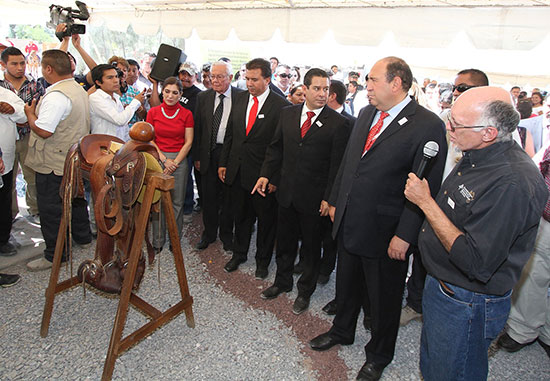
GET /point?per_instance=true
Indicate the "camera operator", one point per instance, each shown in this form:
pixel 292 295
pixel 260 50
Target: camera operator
pixel 127 91
pixel 108 115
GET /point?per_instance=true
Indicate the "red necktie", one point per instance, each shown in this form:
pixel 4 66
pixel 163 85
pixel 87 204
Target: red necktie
pixel 252 115
pixel 374 131
pixel 307 123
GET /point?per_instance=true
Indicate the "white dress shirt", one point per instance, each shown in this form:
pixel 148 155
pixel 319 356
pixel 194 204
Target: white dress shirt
pixel 8 130
pixel 261 101
pixel 108 115
pixel 226 111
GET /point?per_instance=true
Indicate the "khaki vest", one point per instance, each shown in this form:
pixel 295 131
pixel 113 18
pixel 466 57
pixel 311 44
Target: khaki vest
pixel 48 155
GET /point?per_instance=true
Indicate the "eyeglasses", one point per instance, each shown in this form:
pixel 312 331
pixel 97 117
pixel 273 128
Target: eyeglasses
pixel 454 127
pixel 284 75
pixel 219 77
pixel 462 88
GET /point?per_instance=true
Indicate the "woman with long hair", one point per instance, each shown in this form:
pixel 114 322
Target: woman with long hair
pixel 173 138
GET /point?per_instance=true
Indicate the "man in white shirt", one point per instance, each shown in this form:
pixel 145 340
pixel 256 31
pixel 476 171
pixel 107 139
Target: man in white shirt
pixel 107 114
pixel 282 78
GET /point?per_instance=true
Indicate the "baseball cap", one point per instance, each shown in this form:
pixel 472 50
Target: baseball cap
pixel 189 67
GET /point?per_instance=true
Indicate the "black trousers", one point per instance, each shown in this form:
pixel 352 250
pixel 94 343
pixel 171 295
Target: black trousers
pixel 247 208
pixel 289 224
pixel 216 205
pixel 375 283
pixel 50 207
pixel 415 284
pixel 328 260
pixel 6 217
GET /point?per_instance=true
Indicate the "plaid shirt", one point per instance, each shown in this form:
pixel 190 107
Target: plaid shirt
pixel 126 98
pixel 31 89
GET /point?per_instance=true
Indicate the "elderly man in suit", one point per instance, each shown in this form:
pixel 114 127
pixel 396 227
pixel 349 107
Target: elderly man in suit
pixel 211 117
pixel 251 126
pixel 376 226
pixel 307 148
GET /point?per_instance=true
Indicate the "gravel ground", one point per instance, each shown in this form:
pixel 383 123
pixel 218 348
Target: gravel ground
pixel 238 336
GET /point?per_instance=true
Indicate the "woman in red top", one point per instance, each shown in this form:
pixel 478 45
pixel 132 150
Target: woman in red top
pixel 173 137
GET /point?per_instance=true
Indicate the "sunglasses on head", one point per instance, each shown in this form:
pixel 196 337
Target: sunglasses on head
pixel 284 75
pixel 462 88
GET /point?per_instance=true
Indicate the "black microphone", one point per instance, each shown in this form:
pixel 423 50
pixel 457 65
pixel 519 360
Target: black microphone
pixel 431 149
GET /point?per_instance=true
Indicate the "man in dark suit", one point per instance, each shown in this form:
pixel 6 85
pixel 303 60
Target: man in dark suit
pixel 211 117
pixel 307 148
pixel 375 225
pixel 254 117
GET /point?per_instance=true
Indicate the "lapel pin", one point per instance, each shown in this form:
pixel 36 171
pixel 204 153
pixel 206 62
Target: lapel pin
pixel 402 121
pixel 260 116
pixel 318 123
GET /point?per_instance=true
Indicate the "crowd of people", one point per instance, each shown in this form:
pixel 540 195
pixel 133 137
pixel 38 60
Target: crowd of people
pixel 325 168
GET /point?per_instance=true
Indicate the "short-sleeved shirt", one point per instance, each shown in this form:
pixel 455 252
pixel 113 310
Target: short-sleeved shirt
pixel 169 126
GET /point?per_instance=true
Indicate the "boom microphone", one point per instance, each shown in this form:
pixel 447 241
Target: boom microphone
pixel 431 149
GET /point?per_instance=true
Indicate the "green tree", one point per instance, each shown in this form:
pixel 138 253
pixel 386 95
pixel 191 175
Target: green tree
pixel 36 33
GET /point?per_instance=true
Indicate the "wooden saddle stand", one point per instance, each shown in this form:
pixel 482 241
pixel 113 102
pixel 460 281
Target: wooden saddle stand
pixel 126 186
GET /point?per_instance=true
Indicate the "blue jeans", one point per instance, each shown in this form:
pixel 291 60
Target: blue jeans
pixel 458 328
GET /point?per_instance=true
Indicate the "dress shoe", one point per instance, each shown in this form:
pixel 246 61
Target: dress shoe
pixel 8 250
pixel 330 308
pixel 510 345
pixel 261 273
pixel 324 341
pixel 299 268
pixel 39 264
pixel 300 304
pixel 370 372
pixel 203 244
pixel 233 264
pixel 323 279
pixel 273 291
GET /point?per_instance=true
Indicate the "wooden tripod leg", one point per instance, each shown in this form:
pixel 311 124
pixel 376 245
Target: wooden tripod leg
pixel 54 275
pixel 122 312
pixel 178 256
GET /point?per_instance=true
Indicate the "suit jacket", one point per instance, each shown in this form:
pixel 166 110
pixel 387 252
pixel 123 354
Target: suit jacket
pixel 349 117
pixel 246 153
pixel 204 113
pixel 309 165
pixel 368 191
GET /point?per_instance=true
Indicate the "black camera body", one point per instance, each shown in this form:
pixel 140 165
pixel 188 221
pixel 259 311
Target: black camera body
pixel 67 15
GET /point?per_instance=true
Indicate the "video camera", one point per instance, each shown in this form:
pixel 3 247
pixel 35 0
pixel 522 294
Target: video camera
pixel 67 15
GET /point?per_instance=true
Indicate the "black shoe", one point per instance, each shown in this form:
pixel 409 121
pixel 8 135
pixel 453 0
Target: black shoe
pixel 261 273
pixel 544 346
pixel 366 322
pixel 510 345
pixel 324 341
pixel 299 268
pixel 323 279
pixel 8 280
pixel 203 244
pixel 233 264
pixel 8 250
pixel 273 291
pixel 300 304
pixel 370 372
pixel 330 308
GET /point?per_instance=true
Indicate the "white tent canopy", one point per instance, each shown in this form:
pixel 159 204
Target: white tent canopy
pixel 489 24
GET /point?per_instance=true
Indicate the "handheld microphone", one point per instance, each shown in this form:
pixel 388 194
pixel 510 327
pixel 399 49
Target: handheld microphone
pixel 431 149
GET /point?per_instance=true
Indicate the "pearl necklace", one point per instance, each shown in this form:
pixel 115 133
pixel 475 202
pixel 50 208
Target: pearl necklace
pixel 169 117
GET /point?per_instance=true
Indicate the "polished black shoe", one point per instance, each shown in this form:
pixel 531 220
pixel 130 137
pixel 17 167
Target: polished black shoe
pixel 510 345
pixel 370 372
pixel 203 244
pixel 330 308
pixel 261 273
pixel 324 341
pixel 8 249
pixel 323 279
pixel 273 291
pixel 233 264
pixel 300 304
pixel 299 268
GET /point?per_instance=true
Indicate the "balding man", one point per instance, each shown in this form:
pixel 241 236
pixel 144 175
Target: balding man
pixel 478 234
pixel 376 227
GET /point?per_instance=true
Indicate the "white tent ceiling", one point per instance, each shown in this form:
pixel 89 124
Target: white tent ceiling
pixel 489 24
